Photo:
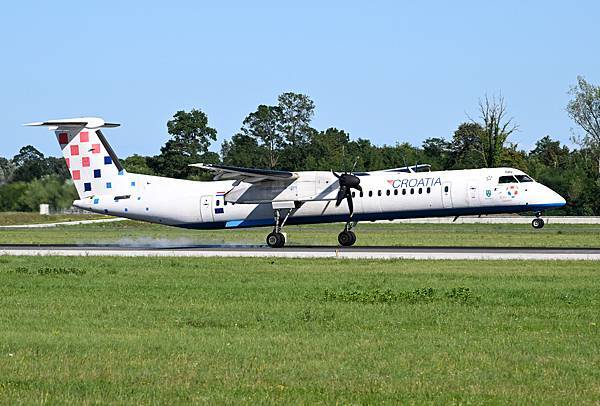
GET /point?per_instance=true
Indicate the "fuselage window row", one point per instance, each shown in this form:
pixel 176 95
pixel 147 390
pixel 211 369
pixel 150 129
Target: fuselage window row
pixel 396 192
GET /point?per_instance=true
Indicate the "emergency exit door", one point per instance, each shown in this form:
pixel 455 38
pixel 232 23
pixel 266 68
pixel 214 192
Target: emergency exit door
pixel 206 209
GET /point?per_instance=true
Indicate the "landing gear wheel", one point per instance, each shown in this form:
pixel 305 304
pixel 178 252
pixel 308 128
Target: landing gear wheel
pixel 537 223
pixel 276 240
pixel 346 238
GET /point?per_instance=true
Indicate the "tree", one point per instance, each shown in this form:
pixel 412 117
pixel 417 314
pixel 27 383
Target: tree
pixel 137 164
pixel 465 147
pixel 242 150
pixel 192 131
pixel 368 155
pixel 29 164
pixel 190 138
pixel 11 195
pixel 549 152
pixel 496 129
pixel 57 166
pixel 296 112
pixel 513 157
pixel 329 149
pixel 263 125
pixel 437 152
pixel 584 109
pixel 7 168
pixel 401 154
pixel 50 189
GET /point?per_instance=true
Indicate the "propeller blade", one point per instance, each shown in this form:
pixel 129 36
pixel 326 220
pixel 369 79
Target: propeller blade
pixel 340 196
pixel 350 203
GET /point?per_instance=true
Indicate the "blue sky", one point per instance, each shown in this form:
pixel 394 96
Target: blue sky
pixel 387 71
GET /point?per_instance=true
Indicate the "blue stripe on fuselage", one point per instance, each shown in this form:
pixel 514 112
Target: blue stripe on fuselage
pixel 464 211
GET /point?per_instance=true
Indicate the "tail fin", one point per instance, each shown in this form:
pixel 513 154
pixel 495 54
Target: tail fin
pixel 93 164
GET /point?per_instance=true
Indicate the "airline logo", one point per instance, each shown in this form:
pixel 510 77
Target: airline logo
pixel 512 191
pixel 414 182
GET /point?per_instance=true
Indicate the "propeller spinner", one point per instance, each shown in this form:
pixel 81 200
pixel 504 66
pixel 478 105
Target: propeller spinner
pixel 347 182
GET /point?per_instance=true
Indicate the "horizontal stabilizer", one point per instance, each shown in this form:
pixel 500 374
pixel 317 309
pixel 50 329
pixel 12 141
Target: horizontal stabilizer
pixel 87 122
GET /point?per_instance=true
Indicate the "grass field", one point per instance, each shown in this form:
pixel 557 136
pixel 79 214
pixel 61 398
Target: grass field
pixel 380 234
pixel 108 330
pixel 14 218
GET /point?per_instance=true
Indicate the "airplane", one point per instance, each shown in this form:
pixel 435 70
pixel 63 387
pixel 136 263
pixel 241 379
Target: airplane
pixel 250 197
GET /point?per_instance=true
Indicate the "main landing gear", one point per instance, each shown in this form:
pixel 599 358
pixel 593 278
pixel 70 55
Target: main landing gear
pixel 538 221
pixel 347 237
pixel 276 239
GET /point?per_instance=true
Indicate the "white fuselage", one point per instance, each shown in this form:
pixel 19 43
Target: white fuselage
pixel 387 195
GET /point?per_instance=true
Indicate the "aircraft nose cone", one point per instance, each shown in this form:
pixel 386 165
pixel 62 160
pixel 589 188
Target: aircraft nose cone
pixel 562 200
pixel 558 199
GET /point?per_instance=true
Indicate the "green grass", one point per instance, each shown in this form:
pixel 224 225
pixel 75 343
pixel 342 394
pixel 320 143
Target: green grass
pixel 16 218
pixel 369 234
pixel 141 330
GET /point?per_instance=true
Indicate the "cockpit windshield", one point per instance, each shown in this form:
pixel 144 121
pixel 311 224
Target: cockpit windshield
pixel 523 178
pixel 507 179
pixel 515 179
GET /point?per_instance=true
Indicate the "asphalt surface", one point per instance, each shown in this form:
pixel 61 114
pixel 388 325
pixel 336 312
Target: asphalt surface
pixel 441 253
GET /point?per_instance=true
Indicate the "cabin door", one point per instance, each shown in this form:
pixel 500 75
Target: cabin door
pixel 206 209
pixel 447 195
pixel 473 194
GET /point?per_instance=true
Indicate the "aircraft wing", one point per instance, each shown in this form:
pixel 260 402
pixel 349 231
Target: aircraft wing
pixel 250 175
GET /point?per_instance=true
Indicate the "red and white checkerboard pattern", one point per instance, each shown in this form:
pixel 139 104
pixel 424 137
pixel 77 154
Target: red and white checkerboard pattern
pixel 91 167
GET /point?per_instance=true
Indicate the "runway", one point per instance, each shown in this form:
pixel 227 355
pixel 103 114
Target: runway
pixel 436 253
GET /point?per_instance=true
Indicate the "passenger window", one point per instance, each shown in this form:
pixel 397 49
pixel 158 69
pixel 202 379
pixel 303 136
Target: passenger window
pixel 387 192
pixel 379 193
pixel 507 179
pixel 420 190
pixel 412 191
pixel 445 189
pixel 403 191
pixel 361 194
pixel 353 194
pixel 428 190
pixel 217 203
pixel 395 192
pixel 370 193
pixel 523 178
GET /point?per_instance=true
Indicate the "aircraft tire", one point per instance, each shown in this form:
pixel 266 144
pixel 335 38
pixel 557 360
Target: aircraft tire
pixel 346 238
pixel 537 223
pixel 353 237
pixel 276 240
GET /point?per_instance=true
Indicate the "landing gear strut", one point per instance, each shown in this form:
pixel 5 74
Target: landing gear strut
pixel 276 239
pixel 537 222
pixel 347 237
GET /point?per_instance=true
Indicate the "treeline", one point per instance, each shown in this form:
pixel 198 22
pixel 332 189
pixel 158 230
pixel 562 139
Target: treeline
pixel 30 178
pixel 281 136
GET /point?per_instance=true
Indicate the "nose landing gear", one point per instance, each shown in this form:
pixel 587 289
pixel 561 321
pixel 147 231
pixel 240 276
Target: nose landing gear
pixel 537 222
